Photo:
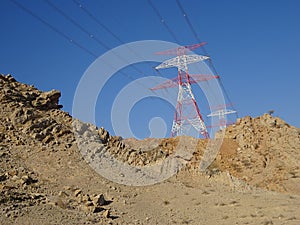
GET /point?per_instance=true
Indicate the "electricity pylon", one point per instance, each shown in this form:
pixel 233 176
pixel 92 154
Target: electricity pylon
pixel 187 113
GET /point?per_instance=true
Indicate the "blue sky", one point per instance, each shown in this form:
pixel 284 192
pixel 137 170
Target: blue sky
pixel 254 46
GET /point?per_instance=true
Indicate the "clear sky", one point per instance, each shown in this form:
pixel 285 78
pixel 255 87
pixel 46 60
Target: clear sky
pixel 254 45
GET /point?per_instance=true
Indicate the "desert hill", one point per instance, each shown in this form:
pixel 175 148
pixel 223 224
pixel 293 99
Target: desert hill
pixel 46 179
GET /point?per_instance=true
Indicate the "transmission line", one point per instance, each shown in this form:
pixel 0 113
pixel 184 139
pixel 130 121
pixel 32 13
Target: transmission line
pixel 101 43
pixel 185 15
pixel 108 30
pixel 61 33
pixel 61 12
pixel 165 25
pixel 162 21
pixel 94 18
pixel 188 21
pixel 67 37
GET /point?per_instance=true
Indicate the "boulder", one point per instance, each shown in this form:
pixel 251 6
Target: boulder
pixel 47 100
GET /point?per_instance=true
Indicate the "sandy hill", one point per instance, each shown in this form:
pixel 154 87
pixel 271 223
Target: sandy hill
pixel 45 178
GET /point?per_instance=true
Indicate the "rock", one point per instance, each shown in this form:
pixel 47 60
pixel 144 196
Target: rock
pixel 3 177
pixel 48 139
pixel 89 203
pixel 86 198
pixel 77 192
pixel 12 173
pixel 106 214
pixel 27 180
pixel 22 116
pixel 10 78
pixel 47 100
pixel 15 178
pixel 92 209
pixel 99 200
pixel 62 194
pixel 104 135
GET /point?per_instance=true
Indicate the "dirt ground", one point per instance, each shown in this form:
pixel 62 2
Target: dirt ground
pixel 45 179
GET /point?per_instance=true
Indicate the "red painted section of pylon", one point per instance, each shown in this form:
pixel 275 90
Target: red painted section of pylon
pixel 185 100
pixel 186 48
pixel 194 78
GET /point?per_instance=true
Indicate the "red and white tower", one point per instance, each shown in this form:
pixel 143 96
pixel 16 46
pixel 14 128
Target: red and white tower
pixel 187 114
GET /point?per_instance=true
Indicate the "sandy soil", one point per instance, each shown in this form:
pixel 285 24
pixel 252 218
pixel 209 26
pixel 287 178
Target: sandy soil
pixel 44 178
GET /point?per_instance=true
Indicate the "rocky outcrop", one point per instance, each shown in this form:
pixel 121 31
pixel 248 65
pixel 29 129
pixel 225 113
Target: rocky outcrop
pixel 127 151
pixel 15 93
pixel 267 154
pixel 47 100
pixel 31 121
pixel 30 116
pixel 263 151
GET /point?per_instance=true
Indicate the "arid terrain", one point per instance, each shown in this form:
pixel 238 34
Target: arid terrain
pixel 45 178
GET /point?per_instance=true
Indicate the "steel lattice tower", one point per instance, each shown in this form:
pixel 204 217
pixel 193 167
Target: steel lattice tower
pixel 187 113
pixel 221 114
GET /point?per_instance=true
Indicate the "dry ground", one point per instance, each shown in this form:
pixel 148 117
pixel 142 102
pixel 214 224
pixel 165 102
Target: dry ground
pixel 45 180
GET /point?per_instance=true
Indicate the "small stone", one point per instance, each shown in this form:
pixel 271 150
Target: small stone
pixel 86 198
pixel 62 194
pixel 97 209
pixel 12 173
pixel 77 192
pixel 89 203
pixel 106 214
pixel 24 179
pixel 14 178
pixel 92 209
pixel 99 200
pixel 48 139
pixel 3 177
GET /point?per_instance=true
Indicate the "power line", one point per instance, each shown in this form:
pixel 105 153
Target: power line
pixel 163 21
pixel 68 38
pixel 62 34
pixel 61 12
pixel 101 43
pixel 188 21
pixel 94 18
pixel 65 36
pixel 185 15
pixel 108 30
pixel 165 25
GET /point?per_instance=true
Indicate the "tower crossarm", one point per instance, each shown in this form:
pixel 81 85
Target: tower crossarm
pixel 176 62
pixel 221 113
pixel 186 48
pixel 194 78
pixel 187 114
